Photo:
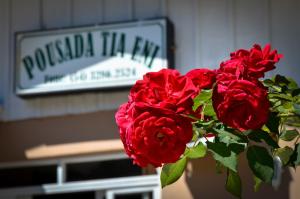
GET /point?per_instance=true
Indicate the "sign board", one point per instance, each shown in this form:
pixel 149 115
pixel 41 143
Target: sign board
pixel 96 57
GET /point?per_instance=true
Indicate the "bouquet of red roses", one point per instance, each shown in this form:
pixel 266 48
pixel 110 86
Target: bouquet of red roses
pixel 170 118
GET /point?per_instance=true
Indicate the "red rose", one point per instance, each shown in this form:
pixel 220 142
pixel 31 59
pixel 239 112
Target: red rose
pixel 232 70
pixel 202 78
pixel 253 63
pixel 261 61
pixel 153 136
pixel 242 104
pixel 165 89
pixel 151 126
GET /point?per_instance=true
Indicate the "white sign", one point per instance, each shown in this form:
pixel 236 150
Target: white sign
pixel 105 56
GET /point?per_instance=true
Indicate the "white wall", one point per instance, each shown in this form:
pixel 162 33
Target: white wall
pixel 205 30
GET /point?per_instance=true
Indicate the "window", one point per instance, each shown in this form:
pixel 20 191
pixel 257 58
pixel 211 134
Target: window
pixel 110 176
pixel 27 176
pixel 99 170
pixel 133 196
pixel 80 195
pixel 134 193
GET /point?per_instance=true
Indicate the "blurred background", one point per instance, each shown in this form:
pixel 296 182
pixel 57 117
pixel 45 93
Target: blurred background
pixel 67 145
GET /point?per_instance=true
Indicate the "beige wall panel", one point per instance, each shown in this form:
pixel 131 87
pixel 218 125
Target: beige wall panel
pixel 201 181
pixel 18 137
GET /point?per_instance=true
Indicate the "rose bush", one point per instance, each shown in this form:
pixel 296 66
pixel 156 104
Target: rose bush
pixel 231 106
pixel 151 124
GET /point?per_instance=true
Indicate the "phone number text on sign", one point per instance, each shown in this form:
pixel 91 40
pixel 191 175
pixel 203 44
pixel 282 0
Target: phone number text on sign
pixel 115 74
pixel 104 75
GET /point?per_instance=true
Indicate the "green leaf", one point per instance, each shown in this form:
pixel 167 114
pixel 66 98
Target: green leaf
pixel 289 135
pixel 206 124
pixel 257 183
pixel 172 172
pixel 281 96
pixel 276 88
pixel 222 153
pixel 234 184
pixel 209 110
pixel 288 106
pixel 273 123
pixel 284 154
pixel 281 80
pixel 237 148
pixel 295 158
pixel 195 135
pixel 297 108
pixel 293 121
pixel 198 151
pixel 296 92
pixel 275 103
pixel 219 167
pixel 285 107
pixel 292 83
pixel 268 82
pixel 202 98
pixel 265 128
pixel 260 135
pixel 235 137
pixel 261 163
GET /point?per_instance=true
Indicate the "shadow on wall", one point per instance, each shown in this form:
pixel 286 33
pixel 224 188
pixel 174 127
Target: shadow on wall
pixel 204 182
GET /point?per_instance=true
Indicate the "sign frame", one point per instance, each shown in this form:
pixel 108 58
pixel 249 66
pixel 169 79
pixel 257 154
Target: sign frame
pixel 167 51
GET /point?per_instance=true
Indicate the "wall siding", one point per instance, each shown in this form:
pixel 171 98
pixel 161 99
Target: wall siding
pixel 4 47
pixel 85 13
pixel 216 31
pixel 16 107
pixel 55 14
pixel 145 9
pixel 285 31
pixel 205 31
pixel 118 10
pixel 245 25
pixel 182 14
